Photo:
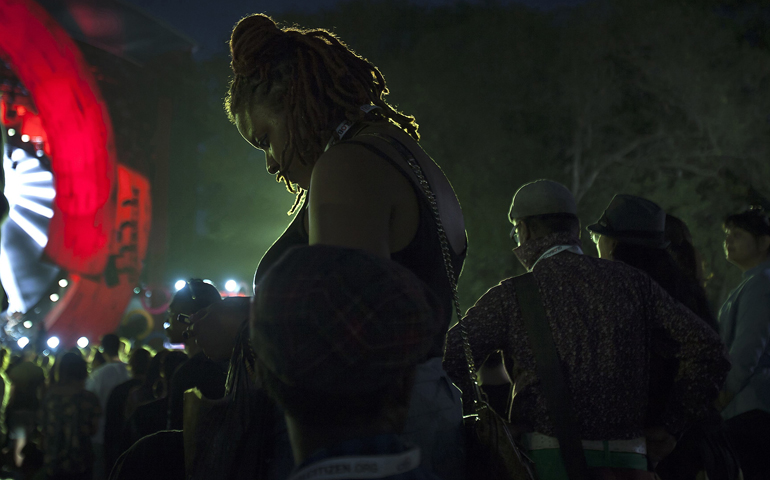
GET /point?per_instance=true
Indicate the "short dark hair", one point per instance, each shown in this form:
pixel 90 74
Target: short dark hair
pixel 111 344
pixel 754 220
pixel 139 361
pixel 72 367
pixel 552 223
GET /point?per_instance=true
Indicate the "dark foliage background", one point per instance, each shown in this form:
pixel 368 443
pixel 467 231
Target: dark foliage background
pixel 661 98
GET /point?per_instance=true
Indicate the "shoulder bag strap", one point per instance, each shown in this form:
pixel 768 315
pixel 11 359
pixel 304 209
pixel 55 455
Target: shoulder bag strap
pixel 549 370
pixel 422 181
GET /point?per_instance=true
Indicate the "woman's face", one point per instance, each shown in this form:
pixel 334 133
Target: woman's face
pixel 604 244
pixel 267 131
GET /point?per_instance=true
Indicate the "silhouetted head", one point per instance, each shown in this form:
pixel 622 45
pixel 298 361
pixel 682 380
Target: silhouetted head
pixel 72 368
pixel 747 238
pixel 110 345
pixel 302 83
pixel 193 297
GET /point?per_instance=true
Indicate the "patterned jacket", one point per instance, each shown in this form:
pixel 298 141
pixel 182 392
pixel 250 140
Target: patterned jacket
pixel 606 318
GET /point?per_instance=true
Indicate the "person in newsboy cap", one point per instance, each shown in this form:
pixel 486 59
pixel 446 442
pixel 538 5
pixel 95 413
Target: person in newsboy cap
pixel 541 208
pixel 338 333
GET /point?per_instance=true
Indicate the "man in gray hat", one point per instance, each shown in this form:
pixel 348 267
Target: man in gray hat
pixel 605 317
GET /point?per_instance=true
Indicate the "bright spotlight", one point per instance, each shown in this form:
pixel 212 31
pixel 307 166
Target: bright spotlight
pixel 18 155
pixel 63 283
pixel 27 324
pixel 53 342
pixel 179 285
pixel 22 342
pixel 54 297
pixel 82 342
pixel 166 325
pixel 231 286
pixel 11 132
pixel 25 138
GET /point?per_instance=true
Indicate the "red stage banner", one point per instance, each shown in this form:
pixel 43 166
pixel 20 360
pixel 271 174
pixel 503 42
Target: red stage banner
pixel 79 131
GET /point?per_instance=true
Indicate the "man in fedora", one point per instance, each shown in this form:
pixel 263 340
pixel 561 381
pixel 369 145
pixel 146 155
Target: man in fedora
pixel 605 318
pixel 632 220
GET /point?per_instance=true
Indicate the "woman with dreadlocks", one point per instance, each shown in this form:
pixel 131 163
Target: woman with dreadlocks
pixel 318 112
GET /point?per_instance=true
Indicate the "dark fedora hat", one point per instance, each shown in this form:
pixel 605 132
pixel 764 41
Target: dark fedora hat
pixel 634 220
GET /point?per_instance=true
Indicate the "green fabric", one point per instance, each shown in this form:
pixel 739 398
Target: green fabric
pixel 549 465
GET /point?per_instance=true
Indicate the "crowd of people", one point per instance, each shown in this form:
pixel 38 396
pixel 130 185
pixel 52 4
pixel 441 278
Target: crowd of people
pixel 343 364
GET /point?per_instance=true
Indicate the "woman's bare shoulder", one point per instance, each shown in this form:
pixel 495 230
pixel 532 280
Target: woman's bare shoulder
pixel 351 168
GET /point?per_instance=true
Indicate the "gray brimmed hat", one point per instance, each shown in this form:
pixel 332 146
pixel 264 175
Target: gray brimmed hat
pixel 633 220
pixel 542 197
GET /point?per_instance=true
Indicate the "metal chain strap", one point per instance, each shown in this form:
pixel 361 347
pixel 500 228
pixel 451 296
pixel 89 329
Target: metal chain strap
pixel 450 271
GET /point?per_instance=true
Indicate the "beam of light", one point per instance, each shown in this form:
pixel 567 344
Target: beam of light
pixel 25 165
pixel 231 286
pixel 53 342
pixel 47 193
pixel 39 237
pixel 11 287
pixel 179 285
pixel 82 342
pixel 22 342
pixel 34 207
pixel 36 177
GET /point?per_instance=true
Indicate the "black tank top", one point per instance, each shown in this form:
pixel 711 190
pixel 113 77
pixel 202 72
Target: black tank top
pixel 422 255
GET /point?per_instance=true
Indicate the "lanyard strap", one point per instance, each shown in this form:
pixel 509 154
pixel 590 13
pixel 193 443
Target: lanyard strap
pixel 344 127
pixel 363 467
pixel 555 250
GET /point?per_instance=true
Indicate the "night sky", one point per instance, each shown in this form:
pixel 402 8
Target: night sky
pixel 209 23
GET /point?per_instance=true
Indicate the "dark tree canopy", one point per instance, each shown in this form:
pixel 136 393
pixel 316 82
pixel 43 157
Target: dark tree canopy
pixel 660 98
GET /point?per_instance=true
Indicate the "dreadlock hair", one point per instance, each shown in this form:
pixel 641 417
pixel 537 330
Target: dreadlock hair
pixel 310 74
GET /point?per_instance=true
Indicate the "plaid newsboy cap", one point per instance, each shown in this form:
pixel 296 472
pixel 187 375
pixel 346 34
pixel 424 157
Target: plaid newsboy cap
pixel 341 321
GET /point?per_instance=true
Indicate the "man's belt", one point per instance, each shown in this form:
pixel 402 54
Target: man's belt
pixel 538 441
